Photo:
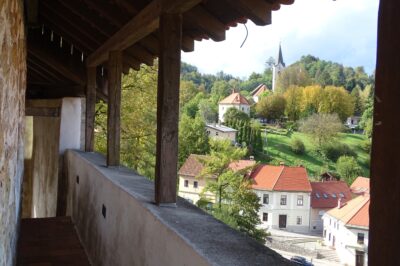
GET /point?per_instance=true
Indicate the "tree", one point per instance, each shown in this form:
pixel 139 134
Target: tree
pixel 311 100
pixel 208 111
pixel 348 168
pixel 293 97
pixel 358 102
pixel 367 118
pixel 238 205
pixel 138 121
pixel 235 114
pixel 271 107
pixel 192 137
pixel 321 127
pixel 294 75
pixel 337 100
pixel 187 91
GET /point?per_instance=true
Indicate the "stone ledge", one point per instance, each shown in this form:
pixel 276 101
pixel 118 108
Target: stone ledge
pixel 217 243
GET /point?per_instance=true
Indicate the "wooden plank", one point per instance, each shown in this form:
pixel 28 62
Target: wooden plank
pixel 139 27
pixel 42 111
pixel 256 10
pixel 90 108
pixel 114 107
pixel 203 20
pixel 168 108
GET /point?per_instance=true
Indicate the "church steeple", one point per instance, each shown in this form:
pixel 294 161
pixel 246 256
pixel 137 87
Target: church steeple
pixel 279 60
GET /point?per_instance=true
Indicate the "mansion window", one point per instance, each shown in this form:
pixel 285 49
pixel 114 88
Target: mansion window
pixel 360 238
pixel 283 199
pixel 186 183
pixel 299 200
pixel 266 198
pixel 299 220
pixel 195 184
pixel 265 217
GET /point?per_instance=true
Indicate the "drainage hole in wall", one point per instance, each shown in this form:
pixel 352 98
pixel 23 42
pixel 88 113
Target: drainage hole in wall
pixel 104 211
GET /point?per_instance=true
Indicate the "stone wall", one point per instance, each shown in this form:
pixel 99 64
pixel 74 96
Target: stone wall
pixel 12 109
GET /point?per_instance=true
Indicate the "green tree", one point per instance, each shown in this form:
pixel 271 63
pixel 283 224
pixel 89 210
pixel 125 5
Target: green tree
pixel 358 102
pixel 271 107
pixel 208 111
pixel 138 121
pixel 348 168
pixel 192 137
pixel 235 114
pixel 238 205
pixel 294 75
pixel 323 128
pixel 337 100
pixel 367 118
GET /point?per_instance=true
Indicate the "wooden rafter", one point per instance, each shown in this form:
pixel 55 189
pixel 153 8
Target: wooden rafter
pixel 257 11
pixel 139 27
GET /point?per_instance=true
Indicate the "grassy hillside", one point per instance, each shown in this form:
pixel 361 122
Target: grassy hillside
pixel 278 148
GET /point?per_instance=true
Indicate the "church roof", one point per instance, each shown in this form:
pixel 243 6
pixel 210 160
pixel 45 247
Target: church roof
pixel 279 59
pixel 260 89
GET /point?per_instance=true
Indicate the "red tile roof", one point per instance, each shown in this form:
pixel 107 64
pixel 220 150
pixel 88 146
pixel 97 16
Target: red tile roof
pixel 325 195
pixel 235 98
pixel 193 165
pixel 280 178
pixel 360 186
pixel 354 213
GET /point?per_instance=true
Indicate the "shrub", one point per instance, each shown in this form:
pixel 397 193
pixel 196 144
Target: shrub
pixel 297 146
pixel 348 168
pixel 366 146
pixel 334 150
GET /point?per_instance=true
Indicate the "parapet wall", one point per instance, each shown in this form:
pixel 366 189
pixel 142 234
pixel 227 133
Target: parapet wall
pixel 119 224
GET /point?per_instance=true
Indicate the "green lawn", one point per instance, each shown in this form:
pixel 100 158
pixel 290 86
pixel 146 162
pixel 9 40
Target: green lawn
pixel 278 148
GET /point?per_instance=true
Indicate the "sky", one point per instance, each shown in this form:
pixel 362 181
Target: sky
pixel 343 31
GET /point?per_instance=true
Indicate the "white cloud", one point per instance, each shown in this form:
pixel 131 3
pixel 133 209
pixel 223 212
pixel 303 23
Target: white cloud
pixel 342 31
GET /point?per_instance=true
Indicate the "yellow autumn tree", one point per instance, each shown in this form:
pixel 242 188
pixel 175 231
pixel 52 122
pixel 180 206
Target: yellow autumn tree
pixel 337 100
pixel 311 99
pixel 293 97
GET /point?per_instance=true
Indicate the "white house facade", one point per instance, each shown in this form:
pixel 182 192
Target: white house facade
pixel 346 230
pixel 235 100
pixel 285 194
pixel 284 210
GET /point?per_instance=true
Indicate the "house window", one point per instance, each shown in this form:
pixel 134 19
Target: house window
pixel 265 216
pixel 299 200
pixel 329 238
pixel 216 133
pixel 360 238
pixel 195 184
pixel 283 199
pixel 325 195
pixel 317 195
pixel 324 233
pixel 266 198
pixel 298 220
pixel 208 132
pixel 341 194
pixel 186 183
pixel 333 195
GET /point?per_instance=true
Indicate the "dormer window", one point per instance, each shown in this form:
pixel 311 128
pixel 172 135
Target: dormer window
pixel 317 195
pixel 333 195
pixel 341 194
pixel 325 195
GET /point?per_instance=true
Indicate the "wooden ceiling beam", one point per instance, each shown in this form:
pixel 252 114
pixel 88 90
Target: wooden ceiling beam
pixel 204 21
pixel 108 11
pixel 143 24
pixel 258 11
pixel 187 43
pixel 73 24
pixel 90 17
pixel 36 64
pixel 38 75
pixel 54 59
pixel 141 54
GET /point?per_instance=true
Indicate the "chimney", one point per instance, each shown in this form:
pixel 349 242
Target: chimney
pixel 339 204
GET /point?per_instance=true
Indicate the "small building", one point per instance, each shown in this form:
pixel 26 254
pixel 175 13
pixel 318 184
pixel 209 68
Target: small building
pixel 360 186
pixel 285 194
pixel 324 197
pixel 277 68
pixel 346 229
pixel 257 92
pixel 219 131
pixel 352 122
pixel 235 100
pixel 327 176
pixel 191 183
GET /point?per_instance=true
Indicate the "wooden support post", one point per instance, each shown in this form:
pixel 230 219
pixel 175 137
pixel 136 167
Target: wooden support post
pixel 114 107
pixel 90 108
pixel 168 108
pixel 384 209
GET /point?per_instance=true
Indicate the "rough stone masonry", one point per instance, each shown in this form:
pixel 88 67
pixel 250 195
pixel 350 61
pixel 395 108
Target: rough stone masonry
pixel 12 112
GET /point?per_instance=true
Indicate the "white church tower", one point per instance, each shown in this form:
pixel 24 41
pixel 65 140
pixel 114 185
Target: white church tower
pixel 277 67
